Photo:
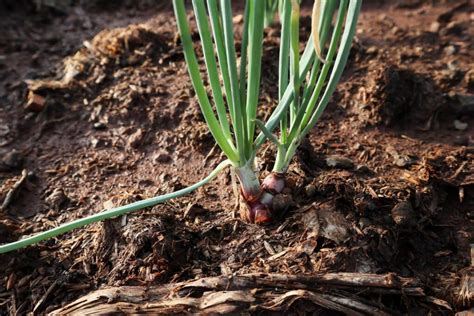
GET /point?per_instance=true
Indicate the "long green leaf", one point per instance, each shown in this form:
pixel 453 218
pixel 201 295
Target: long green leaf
pixel 243 55
pixel 305 111
pixel 210 59
pixel 193 68
pixel 315 19
pixel 333 46
pixel 118 211
pixel 341 59
pixel 267 133
pixel 294 57
pixel 283 70
pixel 240 129
pixel 255 64
pixel 327 11
pixel 221 54
pixel 282 107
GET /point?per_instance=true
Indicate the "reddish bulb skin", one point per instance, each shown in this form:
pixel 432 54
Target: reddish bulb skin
pixel 262 215
pixel 274 183
pixel 257 212
pixel 249 213
pixel 259 207
pixel 248 197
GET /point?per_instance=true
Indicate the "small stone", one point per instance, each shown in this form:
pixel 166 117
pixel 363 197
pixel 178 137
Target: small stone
pixel 35 102
pixel 339 162
pixel 460 126
pixel 371 50
pixel 449 50
pixel 136 138
pixel 100 126
pixel 434 27
pixel 95 142
pixel 310 190
pixel 56 199
pixel 403 214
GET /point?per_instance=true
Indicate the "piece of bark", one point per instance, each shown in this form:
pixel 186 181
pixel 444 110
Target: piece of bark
pixel 35 102
pixel 250 292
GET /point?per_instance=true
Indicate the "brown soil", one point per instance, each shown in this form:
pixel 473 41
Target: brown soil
pixel 384 183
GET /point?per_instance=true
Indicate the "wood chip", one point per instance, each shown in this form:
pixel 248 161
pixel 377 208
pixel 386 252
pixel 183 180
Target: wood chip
pixel 268 247
pixel 35 102
pixel 14 190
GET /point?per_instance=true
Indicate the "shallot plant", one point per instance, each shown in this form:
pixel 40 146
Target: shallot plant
pixel 311 94
pixel 305 85
pixel 235 101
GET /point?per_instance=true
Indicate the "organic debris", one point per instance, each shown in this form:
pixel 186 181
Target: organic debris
pixel 13 191
pixel 35 102
pixel 399 215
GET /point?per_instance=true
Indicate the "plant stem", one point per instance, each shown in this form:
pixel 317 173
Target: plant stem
pixel 248 181
pixel 280 165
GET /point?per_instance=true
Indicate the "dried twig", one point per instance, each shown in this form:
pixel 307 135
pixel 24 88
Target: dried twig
pixel 14 190
pixel 249 292
pixel 338 303
pixel 388 283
